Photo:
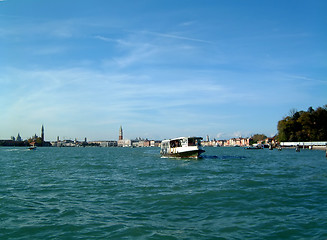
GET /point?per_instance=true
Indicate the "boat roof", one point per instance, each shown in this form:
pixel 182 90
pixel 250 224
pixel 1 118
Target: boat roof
pixel 178 138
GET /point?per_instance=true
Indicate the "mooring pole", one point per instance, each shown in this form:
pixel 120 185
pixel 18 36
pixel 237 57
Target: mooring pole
pixel 297 149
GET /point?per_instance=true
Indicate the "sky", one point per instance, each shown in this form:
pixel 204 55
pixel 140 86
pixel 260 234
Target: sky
pixel 161 69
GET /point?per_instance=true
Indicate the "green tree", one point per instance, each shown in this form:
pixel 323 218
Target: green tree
pixel 304 126
pixel 258 137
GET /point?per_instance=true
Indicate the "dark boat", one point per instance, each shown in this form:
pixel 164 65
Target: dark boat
pixel 254 147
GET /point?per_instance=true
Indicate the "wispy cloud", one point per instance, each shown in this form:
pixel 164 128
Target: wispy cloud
pixel 143 49
pixel 174 36
pixel 76 94
pixel 307 80
pixel 187 24
pixel 85 95
pixel 106 39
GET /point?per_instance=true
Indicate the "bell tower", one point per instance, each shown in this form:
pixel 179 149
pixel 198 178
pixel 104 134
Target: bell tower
pixel 120 133
pixel 42 133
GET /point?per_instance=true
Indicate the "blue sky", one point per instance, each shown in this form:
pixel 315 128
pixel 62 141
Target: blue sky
pixel 160 69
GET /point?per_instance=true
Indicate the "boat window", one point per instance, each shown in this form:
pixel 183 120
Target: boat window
pixel 175 143
pixel 191 142
pixel 194 142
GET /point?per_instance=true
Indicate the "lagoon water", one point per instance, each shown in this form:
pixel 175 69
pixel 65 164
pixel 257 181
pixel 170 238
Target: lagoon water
pixel 125 193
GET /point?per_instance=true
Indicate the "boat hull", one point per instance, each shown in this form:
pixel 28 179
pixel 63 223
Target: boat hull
pixel 186 154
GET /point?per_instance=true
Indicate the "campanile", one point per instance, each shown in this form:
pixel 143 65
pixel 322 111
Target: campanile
pixel 42 134
pixel 120 133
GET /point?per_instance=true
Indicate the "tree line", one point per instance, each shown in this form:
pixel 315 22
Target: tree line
pixel 303 126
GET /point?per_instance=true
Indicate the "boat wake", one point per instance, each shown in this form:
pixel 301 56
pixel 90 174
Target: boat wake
pixel 223 157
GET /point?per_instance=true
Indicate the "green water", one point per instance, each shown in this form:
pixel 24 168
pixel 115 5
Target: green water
pixel 124 193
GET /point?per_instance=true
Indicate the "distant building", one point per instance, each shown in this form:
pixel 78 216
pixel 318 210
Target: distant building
pixel 222 142
pixel 105 143
pixel 112 143
pixel 230 142
pixel 124 143
pixel 135 143
pixel 238 142
pixel 146 143
pixel 155 143
pixel 270 141
pixel 18 138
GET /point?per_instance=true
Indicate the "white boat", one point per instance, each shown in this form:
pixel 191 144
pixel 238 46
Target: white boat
pixel 182 147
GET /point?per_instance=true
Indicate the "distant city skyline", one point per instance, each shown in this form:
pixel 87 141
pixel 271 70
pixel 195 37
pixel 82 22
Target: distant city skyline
pixel 160 69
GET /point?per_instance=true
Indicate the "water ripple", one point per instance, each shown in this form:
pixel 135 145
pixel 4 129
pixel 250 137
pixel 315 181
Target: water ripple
pixel 116 193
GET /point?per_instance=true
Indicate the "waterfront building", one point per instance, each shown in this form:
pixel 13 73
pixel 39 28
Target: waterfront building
pixel 143 143
pixel 55 143
pixel 105 143
pixel 124 143
pixel 155 143
pixel 68 143
pixel 228 143
pixel 112 143
pixel 271 141
pixel 140 143
pixel 222 142
pixel 211 143
pixel 146 143
pixel 135 143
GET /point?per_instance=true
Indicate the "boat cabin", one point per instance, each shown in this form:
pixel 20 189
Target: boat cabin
pixel 182 146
